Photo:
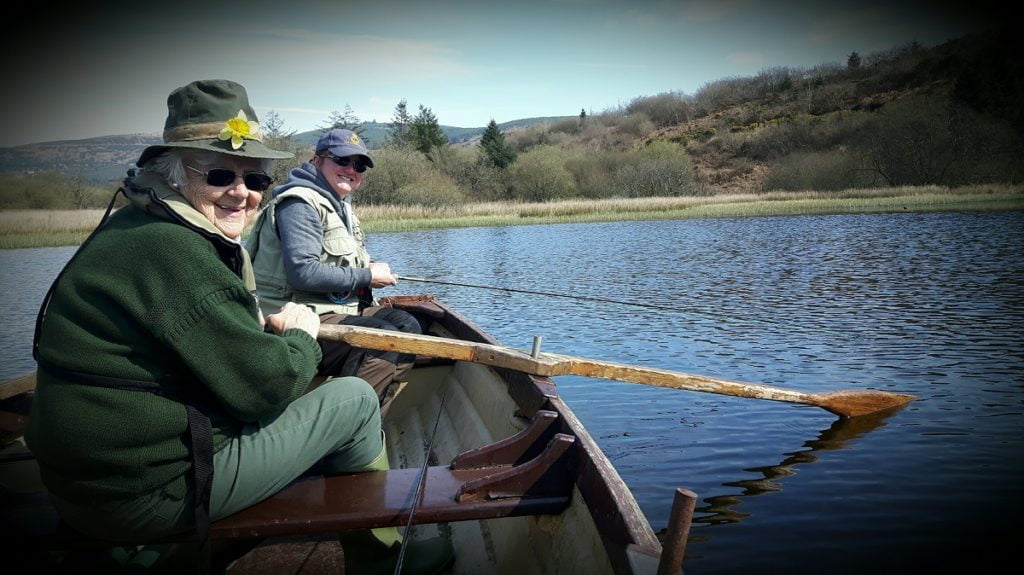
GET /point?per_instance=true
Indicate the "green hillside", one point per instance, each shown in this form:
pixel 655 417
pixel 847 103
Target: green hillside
pixel 947 115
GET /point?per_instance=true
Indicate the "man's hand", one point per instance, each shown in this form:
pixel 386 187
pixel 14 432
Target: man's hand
pixel 381 275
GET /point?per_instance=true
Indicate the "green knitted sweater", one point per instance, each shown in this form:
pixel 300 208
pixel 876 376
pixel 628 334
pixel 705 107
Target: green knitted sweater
pixel 153 295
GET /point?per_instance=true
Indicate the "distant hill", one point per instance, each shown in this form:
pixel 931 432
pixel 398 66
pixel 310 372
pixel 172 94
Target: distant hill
pixel 106 159
pixel 375 133
pixel 95 160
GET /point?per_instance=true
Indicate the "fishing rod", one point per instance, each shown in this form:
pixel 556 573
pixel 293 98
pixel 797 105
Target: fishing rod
pixel 617 302
pixel 547 293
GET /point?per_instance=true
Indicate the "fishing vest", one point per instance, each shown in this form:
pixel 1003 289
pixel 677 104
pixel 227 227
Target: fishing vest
pixel 340 248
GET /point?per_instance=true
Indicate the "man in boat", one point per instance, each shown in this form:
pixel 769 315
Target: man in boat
pixel 162 401
pixel 307 247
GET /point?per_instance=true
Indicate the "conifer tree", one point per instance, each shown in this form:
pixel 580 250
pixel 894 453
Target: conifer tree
pixel 346 120
pixel 426 133
pixel 853 61
pixel 401 126
pixel 495 148
pixel 274 133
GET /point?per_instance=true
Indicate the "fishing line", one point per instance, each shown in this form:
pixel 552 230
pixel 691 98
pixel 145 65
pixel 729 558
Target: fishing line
pixel 677 309
pixel 421 483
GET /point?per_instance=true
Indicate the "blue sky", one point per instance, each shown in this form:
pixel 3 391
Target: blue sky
pixel 93 71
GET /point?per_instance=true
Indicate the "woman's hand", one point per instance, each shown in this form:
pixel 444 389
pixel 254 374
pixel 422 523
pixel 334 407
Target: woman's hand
pixel 381 275
pixel 293 315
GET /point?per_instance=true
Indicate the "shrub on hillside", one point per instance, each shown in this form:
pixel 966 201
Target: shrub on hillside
pixel 604 132
pixel 828 97
pixel 456 163
pixel 404 176
pixel 665 109
pixel 927 140
pixel 571 126
pixel 771 82
pixel 634 125
pixel 540 175
pixel 432 189
pixel 660 169
pixel 592 169
pixel 523 139
pixel 471 171
pixel 486 183
pixel 715 96
pixel 818 171
pixel 803 133
pixel 394 167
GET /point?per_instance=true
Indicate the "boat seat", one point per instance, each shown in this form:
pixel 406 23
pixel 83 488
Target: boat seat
pixel 522 475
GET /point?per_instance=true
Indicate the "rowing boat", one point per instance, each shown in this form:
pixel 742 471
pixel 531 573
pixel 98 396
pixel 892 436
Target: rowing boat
pixel 489 457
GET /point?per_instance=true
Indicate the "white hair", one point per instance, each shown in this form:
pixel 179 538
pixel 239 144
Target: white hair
pixel 170 166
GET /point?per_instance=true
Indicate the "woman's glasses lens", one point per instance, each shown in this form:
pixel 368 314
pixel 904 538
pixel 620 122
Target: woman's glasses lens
pixel 357 164
pixel 255 181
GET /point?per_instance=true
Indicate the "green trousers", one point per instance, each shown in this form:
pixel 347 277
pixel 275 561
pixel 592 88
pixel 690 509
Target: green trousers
pixel 336 424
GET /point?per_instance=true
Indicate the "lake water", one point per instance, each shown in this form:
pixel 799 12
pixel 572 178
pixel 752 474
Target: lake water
pixel 926 304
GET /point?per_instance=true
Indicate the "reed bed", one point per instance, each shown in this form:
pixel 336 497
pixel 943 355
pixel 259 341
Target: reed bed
pixel 38 228
pixel 922 198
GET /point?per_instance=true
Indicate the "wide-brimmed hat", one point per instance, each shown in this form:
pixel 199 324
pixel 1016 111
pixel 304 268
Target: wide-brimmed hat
pixel 341 143
pixel 215 116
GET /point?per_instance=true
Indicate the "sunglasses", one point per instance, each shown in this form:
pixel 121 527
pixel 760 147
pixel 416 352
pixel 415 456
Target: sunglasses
pixel 357 164
pixel 220 177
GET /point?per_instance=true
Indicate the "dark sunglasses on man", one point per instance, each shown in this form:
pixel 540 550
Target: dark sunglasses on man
pixel 255 181
pixel 356 162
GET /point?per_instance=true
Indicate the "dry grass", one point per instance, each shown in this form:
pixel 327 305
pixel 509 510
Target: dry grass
pixel 925 198
pixel 37 228
pixel 35 221
pixel 42 228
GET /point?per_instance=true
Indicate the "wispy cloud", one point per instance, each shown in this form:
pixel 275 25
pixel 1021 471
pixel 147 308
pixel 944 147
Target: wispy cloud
pixel 746 58
pixel 366 55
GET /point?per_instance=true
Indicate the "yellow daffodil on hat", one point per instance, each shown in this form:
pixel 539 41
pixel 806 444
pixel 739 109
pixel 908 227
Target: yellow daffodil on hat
pixel 238 129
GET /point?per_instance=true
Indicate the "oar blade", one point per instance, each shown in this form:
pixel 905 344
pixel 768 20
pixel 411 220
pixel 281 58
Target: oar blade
pixel 852 403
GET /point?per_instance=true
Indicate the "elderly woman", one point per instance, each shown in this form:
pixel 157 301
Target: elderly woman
pixel 163 403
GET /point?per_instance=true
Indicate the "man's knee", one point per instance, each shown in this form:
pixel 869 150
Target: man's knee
pixel 401 320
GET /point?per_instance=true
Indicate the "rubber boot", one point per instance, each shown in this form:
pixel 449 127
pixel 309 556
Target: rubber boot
pixel 376 550
pixel 366 554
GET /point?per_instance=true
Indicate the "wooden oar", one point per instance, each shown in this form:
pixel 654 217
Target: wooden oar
pixel 845 403
pixel 18 385
pixel 849 403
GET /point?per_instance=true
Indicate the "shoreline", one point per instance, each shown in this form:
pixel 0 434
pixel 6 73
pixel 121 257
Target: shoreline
pixel 21 229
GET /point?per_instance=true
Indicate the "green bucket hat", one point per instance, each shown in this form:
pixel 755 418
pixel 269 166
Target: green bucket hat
pixel 215 116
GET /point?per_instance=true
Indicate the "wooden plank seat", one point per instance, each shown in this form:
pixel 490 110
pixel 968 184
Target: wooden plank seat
pixel 526 474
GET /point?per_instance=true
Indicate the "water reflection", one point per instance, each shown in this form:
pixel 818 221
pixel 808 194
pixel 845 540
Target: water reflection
pixel 719 509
